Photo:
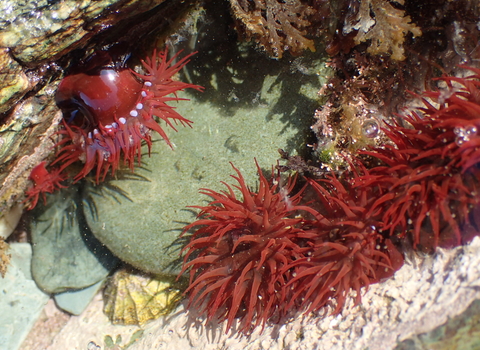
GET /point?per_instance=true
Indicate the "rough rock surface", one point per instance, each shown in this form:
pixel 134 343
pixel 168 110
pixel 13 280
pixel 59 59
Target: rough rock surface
pixel 422 295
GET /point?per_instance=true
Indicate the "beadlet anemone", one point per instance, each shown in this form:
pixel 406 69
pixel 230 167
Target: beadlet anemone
pixel 109 112
pixel 240 250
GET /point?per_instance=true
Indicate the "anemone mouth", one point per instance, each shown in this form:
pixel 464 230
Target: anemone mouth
pixel 76 114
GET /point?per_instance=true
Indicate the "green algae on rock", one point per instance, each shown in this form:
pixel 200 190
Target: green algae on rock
pixel 14 83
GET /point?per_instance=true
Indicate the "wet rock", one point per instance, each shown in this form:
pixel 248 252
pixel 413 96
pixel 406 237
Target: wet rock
pixel 143 229
pixel 65 254
pixel 42 30
pixel 75 301
pixel 26 138
pixel 9 221
pixel 21 302
pixel 13 81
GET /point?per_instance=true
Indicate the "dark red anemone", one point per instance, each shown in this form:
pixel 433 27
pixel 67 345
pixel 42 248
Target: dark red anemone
pixel 349 250
pixel 240 250
pixel 109 114
pixel 430 172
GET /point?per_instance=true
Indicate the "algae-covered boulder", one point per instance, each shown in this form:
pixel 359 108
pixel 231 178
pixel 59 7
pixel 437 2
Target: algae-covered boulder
pixel 142 224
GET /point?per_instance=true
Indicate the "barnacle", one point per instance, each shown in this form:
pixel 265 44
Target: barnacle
pixel 134 299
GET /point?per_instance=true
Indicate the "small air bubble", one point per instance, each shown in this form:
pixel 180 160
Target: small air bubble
pixel 370 128
pixel 471 130
pixel 460 141
pixel 93 346
pixel 148 83
pixel 134 113
pixel 459 131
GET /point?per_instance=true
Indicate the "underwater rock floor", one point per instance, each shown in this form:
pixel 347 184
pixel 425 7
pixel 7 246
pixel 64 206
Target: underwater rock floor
pixel 421 296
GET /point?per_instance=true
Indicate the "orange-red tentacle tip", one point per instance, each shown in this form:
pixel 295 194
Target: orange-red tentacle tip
pixel 43 182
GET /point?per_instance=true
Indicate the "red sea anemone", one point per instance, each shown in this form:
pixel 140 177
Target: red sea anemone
pixel 431 171
pixel 240 249
pixel 43 182
pixel 349 250
pixel 109 113
pixel 259 257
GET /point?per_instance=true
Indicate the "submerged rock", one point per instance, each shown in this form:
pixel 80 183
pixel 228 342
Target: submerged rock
pixel 143 229
pixel 66 255
pixel 21 302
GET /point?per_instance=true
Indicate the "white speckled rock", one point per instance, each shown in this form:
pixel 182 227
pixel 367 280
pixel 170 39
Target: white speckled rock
pixel 421 296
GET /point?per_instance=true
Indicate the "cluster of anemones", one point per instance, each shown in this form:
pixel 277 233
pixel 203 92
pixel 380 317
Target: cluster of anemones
pixel 108 114
pixel 274 250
